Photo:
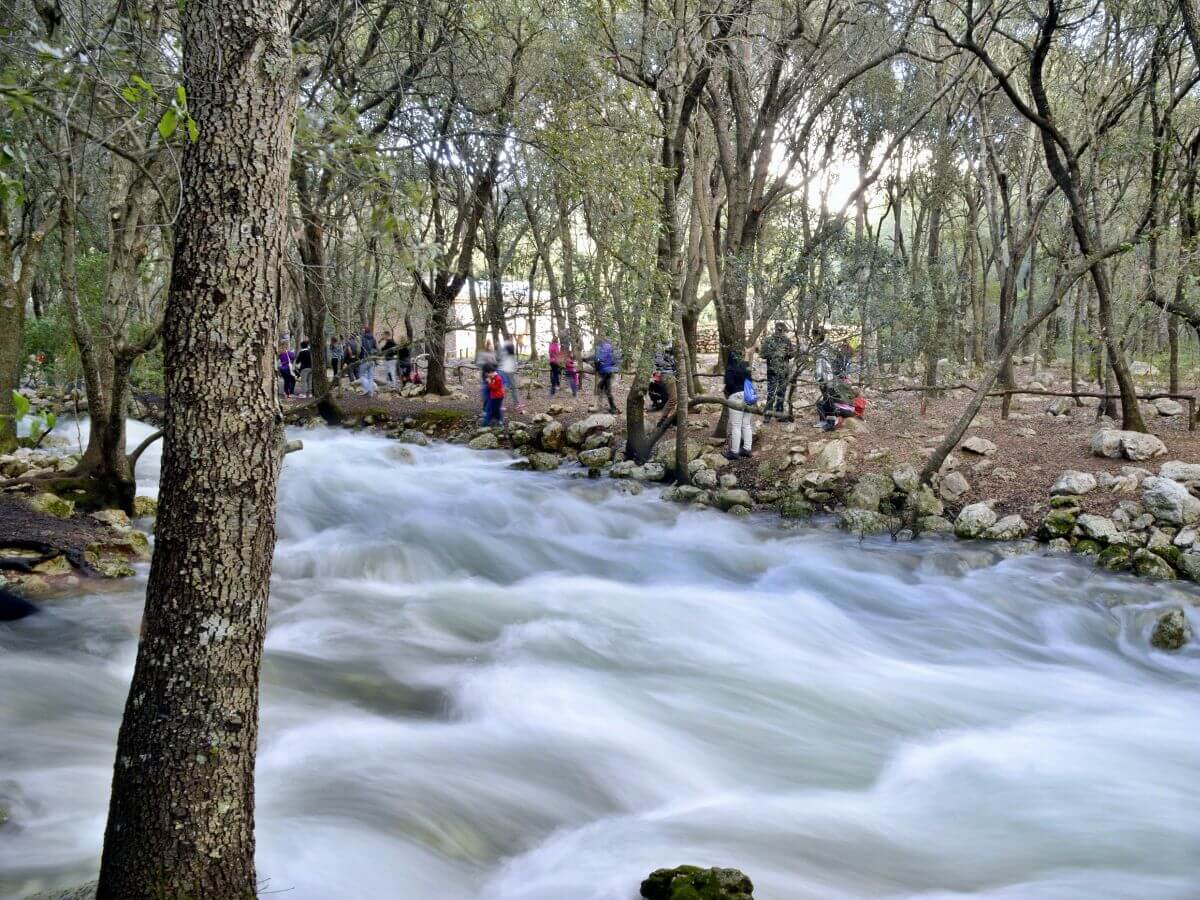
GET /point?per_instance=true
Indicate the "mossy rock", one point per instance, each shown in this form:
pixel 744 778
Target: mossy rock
pixel 1065 501
pixel 1115 559
pixel 441 418
pixel 1086 547
pixel 694 883
pixel 794 506
pixel 1058 523
pixel 1172 555
pixel 53 505
pixel 144 507
pixel 1151 565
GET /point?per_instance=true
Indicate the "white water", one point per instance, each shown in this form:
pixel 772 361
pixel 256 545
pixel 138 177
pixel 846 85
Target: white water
pixel 488 684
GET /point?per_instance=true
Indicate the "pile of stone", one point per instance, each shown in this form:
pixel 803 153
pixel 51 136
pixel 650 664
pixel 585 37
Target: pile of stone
pixel 1155 536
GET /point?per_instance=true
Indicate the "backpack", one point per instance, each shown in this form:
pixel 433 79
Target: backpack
pixel 749 395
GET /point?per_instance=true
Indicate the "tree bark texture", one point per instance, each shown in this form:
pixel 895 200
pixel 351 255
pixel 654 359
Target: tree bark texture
pixel 181 819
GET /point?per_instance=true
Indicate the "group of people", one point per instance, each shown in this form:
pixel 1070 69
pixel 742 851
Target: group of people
pixel 498 379
pixel 355 355
pixel 831 364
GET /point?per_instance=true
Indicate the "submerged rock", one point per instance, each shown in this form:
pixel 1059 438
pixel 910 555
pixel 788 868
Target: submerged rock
pixel 729 498
pixel 543 462
pixel 595 458
pixel 1171 631
pixel 695 883
pixel 865 521
pixel 412 436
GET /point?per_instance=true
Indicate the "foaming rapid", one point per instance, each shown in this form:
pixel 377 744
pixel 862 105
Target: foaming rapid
pixel 488 684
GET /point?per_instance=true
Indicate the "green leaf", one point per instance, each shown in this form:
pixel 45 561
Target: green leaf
pixel 168 123
pixel 20 404
pixel 193 130
pixel 180 98
pixel 51 419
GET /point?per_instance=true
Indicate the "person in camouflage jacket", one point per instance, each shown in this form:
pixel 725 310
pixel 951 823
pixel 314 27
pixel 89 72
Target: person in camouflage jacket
pixel 778 351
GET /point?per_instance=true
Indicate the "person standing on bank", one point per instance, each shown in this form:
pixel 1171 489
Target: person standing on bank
pixel 605 361
pixel 555 354
pixel 508 371
pixel 388 350
pixel 739 384
pixel 304 369
pixel 335 354
pixel 778 351
pixel 287 362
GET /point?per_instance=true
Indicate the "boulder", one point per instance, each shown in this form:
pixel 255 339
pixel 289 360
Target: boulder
pixel 870 490
pixel 53 505
pixel 979 446
pixel 1171 631
pixel 1180 471
pixel 1074 482
pixel 729 480
pixel 665 451
pixel 865 521
pixel 485 441
pixel 1150 565
pixel 1059 523
pixel 974 520
pixel 1168 408
pixel 725 499
pixel 1086 547
pixel 1114 559
pixel 1098 528
pixel 922 503
pixel 577 432
pixel 695 883
pixel 831 457
pixel 544 462
pixel 1185 538
pixel 953 486
pixel 687 493
pixel 906 479
pixel 595 458
pixel 935 525
pixel 1133 445
pixel 412 436
pixel 1063 406
pixel 1169 501
pixel 795 506
pixel 650 471
pixel 1189 565
pixel 599 439
pixel 553 436
pixel 114 518
pixel 1009 528
pixel 706 478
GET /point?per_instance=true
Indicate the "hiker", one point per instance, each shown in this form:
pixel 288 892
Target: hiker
pixel 555 354
pixel 508 372
pixel 663 386
pixel 824 355
pixel 778 351
pixel 739 386
pixel 404 361
pixel 287 361
pixel 367 341
pixel 335 354
pixel 572 372
pixel 605 361
pixel 350 358
pixel 493 410
pixel 304 366
pixel 388 348
pixel 486 360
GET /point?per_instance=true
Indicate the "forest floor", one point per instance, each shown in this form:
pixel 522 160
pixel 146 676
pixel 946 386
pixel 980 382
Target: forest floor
pixel 1033 447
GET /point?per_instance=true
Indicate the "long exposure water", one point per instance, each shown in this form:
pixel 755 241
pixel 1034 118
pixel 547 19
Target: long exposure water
pixel 488 684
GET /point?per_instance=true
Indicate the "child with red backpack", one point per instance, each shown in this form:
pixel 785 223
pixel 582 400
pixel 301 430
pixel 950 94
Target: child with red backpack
pixel 493 412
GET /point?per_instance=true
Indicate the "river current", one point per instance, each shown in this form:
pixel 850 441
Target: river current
pixel 482 683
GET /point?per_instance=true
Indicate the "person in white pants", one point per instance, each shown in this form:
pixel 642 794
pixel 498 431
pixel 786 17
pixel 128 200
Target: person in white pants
pixel 741 422
pixel 366 375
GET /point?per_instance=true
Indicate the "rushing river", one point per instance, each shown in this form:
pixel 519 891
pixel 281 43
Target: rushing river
pixel 514 686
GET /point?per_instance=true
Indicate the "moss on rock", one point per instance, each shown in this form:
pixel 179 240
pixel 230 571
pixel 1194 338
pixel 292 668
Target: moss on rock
pixel 695 883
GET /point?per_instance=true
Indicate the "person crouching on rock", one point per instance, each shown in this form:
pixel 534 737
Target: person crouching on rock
pixel 741 425
pixel 493 413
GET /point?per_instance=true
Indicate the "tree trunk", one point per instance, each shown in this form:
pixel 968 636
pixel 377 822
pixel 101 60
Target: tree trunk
pixel 181 819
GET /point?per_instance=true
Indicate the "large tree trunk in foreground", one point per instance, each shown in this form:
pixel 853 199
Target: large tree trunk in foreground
pixel 181 819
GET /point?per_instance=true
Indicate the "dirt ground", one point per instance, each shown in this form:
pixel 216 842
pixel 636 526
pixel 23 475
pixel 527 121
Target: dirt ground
pixel 1033 447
